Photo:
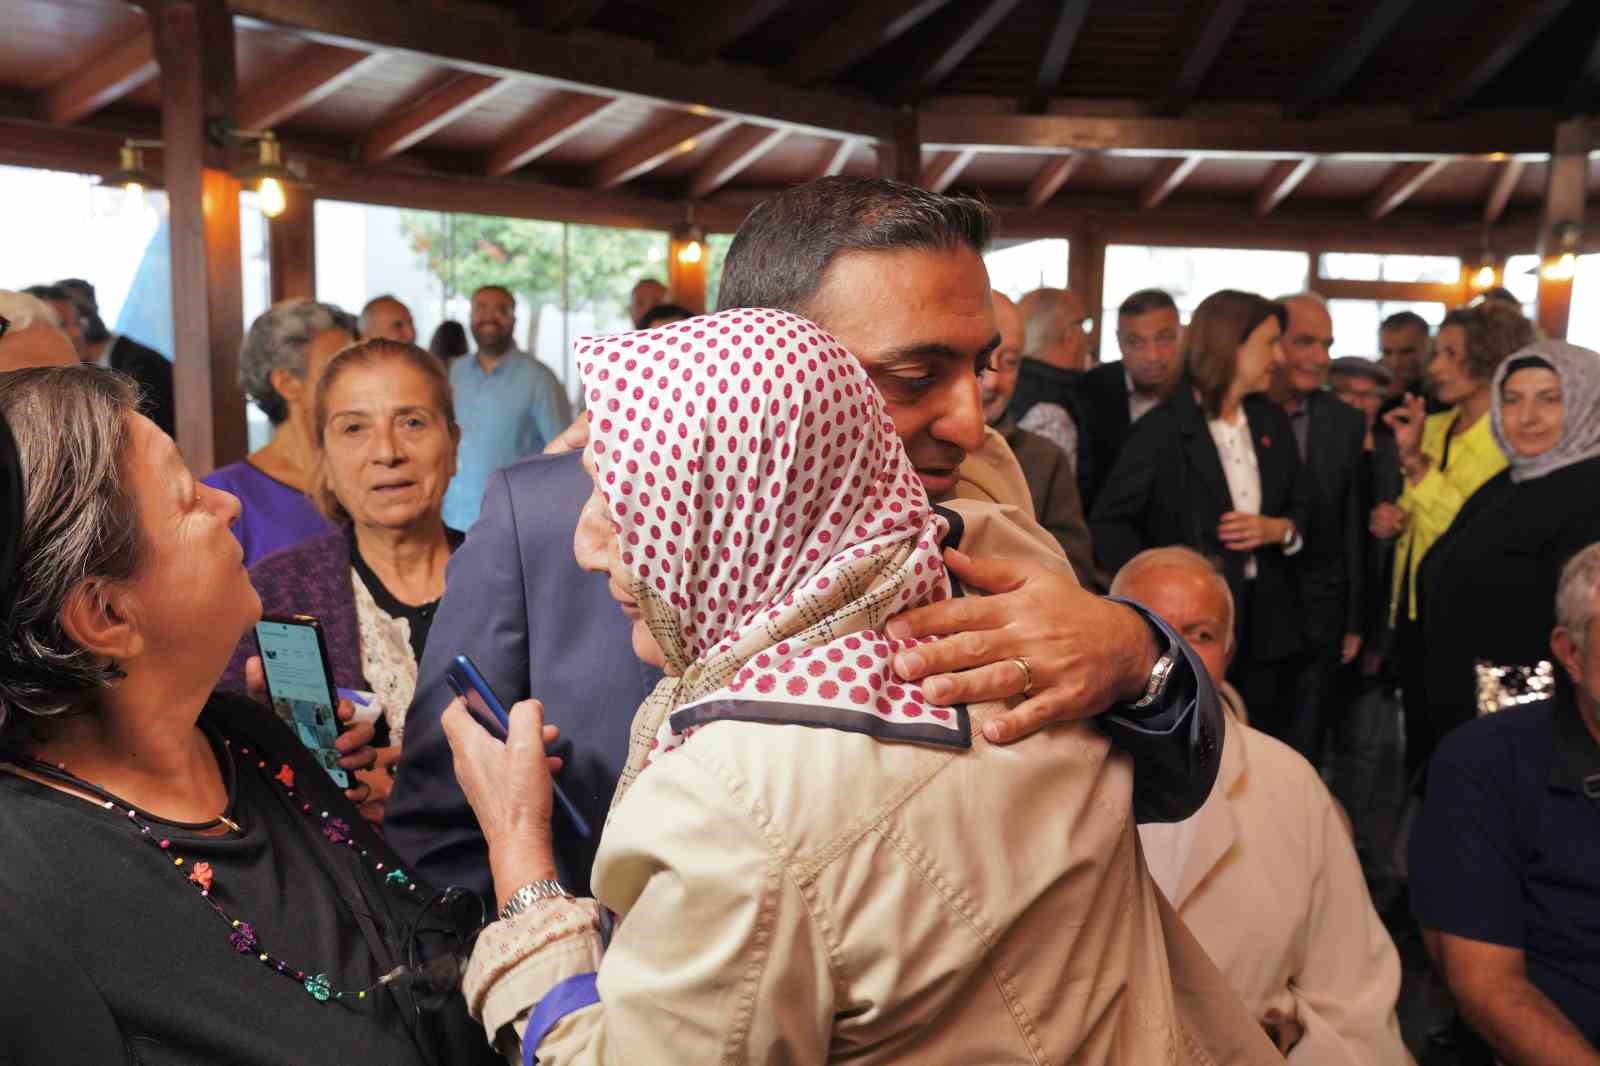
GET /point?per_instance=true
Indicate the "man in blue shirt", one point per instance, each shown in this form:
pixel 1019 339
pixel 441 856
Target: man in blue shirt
pixel 1505 859
pixel 509 404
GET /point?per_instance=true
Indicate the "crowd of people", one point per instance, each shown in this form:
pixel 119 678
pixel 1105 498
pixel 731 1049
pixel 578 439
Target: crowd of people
pixel 917 690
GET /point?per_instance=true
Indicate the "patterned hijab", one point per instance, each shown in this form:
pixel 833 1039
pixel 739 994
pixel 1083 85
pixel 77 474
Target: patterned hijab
pixel 1579 371
pixel 771 522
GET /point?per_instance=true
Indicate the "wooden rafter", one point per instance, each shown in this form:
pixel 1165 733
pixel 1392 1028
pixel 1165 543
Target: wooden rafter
pixel 1498 40
pixel 1500 190
pixel 943 170
pixel 1051 177
pixel 101 79
pixel 1170 174
pixel 1367 31
pixel 432 113
pixel 562 15
pixel 866 26
pixel 1281 180
pixel 312 75
pixel 545 130
pixel 833 158
pixel 1402 181
pixel 648 150
pixel 740 148
pixel 700 31
pixel 1069 23
pixel 958 41
pixel 1204 36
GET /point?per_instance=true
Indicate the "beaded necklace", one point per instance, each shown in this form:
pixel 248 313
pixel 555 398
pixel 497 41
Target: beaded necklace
pixel 200 876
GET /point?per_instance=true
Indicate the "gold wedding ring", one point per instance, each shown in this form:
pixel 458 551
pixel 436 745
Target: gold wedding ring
pixel 1027 675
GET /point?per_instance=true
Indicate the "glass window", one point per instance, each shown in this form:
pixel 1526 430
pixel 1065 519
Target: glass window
pixel 1022 266
pixel 1363 266
pixel 1584 325
pixel 1521 276
pixel 1355 322
pixel 716 255
pixel 1192 274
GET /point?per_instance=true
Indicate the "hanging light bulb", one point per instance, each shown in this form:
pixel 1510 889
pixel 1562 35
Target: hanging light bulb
pixel 691 253
pixel 272 178
pixel 271 197
pixel 1562 264
pixel 133 198
pixel 131 176
pixel 1563 268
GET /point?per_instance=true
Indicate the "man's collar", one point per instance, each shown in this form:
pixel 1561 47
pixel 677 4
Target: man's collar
pixel 1575 763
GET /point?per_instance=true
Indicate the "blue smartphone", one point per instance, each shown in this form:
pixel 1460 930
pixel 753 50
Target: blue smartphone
pixel 465 680
pixel 294 656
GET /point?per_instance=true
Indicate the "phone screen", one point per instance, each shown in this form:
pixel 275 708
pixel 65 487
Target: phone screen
pixel 301 691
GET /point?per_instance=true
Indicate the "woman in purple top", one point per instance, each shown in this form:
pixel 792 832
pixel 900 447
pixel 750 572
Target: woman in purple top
pixel 283 357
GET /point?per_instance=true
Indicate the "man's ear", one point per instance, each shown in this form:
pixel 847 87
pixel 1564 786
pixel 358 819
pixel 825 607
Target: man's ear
pixel 289 385
pixel 1568 654
pixel 102 618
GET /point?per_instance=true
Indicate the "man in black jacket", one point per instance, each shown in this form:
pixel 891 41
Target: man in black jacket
pixel 143 364
pixel 1330 436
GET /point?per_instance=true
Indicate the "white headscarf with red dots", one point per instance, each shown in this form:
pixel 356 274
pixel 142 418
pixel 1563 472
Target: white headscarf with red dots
pixel 770 520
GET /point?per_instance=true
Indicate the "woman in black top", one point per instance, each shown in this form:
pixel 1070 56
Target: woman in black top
pixel 1489 583
pixel 180 882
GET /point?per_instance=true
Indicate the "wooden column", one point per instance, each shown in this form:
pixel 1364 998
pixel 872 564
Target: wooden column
pixel 1086 279
pixel 292 249
pixel 1564 197
pixel 901 158
pixel 194 46
pixel 686 282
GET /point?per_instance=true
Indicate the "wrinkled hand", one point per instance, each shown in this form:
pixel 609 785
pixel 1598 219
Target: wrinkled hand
pixel 1241 531
pixel 509 788
pixel 1388 520
pixel 1086 653
pixel 1350 648
pixel 572 439
pixel 1406 421
pixel 354 746
pixel 380 782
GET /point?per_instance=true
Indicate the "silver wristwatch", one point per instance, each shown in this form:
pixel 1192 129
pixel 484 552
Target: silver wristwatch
pixel 1157 683
pixel 531 893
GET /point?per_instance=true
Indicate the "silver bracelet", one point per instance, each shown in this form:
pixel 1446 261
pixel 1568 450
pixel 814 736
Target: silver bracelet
pixel 531 893
pixel 1157 683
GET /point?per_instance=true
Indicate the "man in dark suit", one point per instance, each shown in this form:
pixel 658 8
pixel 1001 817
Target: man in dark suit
pixel 1330 436
pixel 896 274
pixel 146 366
pixel 1113 396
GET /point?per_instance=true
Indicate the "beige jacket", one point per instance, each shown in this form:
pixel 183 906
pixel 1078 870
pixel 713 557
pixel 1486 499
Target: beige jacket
pixel 1270 844
pixel 791 894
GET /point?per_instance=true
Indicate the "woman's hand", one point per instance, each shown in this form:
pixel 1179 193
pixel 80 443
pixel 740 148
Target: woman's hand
pixel 1242 532
pixel 1388 520
pixel 355 749
pixel 255 680
pixel 508 786
pixel 380 782
pixel 1406 421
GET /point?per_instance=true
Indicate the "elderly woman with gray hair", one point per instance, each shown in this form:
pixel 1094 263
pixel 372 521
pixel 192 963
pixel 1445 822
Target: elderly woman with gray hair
pixel 182 883
pixel 283 356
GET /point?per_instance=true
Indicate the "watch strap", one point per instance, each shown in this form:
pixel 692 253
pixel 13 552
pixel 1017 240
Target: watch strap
pixel 531 893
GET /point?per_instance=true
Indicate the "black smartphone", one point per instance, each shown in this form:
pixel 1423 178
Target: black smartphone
pixel 294 656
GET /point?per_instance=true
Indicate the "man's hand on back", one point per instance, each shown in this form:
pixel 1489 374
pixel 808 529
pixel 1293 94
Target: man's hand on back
pixel 1085 653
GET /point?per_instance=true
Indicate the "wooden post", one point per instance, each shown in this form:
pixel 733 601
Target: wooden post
pixel 901 158
pixel 1086 279
pixel 686 281
pixel 194 46
pixel 1564 197
pixel 292 249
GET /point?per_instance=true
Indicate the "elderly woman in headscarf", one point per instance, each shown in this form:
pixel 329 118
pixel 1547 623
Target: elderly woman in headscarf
pixel 809 860
pixel 1489 584
pixel 284 354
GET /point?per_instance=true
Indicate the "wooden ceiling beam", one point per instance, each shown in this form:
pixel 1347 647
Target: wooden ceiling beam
pixel 311 76
pixel 1170 174
pixel 959 40
pixel 1402 181
pixel 943 170
pixel 591 62
pixel 102 78
pixel 559 16
pixel 1497 41
pixel 1204 36
pixel 1282 180
pixel 703 30
pixel 833 158
pixel 1367 32
pixel 740 148
pixel 866 26
pixel 1051 177
pixel 1500 190
pixel 648 150
pixel 547 129
pixel 427 116
pixel 1058 50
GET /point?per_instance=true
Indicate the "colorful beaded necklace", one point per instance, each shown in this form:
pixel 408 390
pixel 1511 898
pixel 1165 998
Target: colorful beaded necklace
pixel 200 876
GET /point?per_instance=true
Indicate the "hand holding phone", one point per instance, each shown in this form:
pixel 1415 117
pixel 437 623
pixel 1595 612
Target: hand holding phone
pixel 294 657
pixel 465 680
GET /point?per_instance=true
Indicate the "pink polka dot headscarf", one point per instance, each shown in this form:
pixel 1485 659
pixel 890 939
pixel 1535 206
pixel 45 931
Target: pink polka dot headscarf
pixel 770 520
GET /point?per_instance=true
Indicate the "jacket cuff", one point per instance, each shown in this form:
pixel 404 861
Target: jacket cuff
pixel 515 964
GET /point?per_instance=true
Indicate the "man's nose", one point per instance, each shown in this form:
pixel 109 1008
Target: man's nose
pixel 962 422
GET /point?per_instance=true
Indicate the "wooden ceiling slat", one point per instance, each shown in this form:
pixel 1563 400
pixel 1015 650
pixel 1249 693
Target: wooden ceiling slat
pixel 832 159
pixel 1403 180
pixel 1165 181
pixel 703 30
pixel 1500 190
pixel 102 79
pixel 1051 177
pixel 1344 60
pixel 427 116
pixel 546 129
pixel 648 150
pixel 943 170
pixel 310 77
pixel 940 59
pixel 1069 23
pixel 1497 41
pixel 865 28
pixel 1281 180
pixel 1206 33
pixel 738 150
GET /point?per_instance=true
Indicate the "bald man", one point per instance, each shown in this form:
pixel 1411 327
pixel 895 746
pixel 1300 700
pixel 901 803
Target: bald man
pixel 33 337
pixel 1055 350
pixel 1051 480
pixel 1313 962
pixel 647 293
pixel 386 317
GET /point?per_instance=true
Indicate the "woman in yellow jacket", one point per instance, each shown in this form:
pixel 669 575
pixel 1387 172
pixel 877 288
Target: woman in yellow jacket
pixel 1445 459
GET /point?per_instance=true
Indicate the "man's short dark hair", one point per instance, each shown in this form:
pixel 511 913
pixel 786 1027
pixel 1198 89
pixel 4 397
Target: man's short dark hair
pixel 1146 300
pixel 496 288
pixel 1406 320
pixel 784 246
pixel 662 314
pixel 50 292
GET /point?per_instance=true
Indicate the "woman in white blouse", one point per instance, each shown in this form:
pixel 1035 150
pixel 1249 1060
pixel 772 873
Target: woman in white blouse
pixel 1215 468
